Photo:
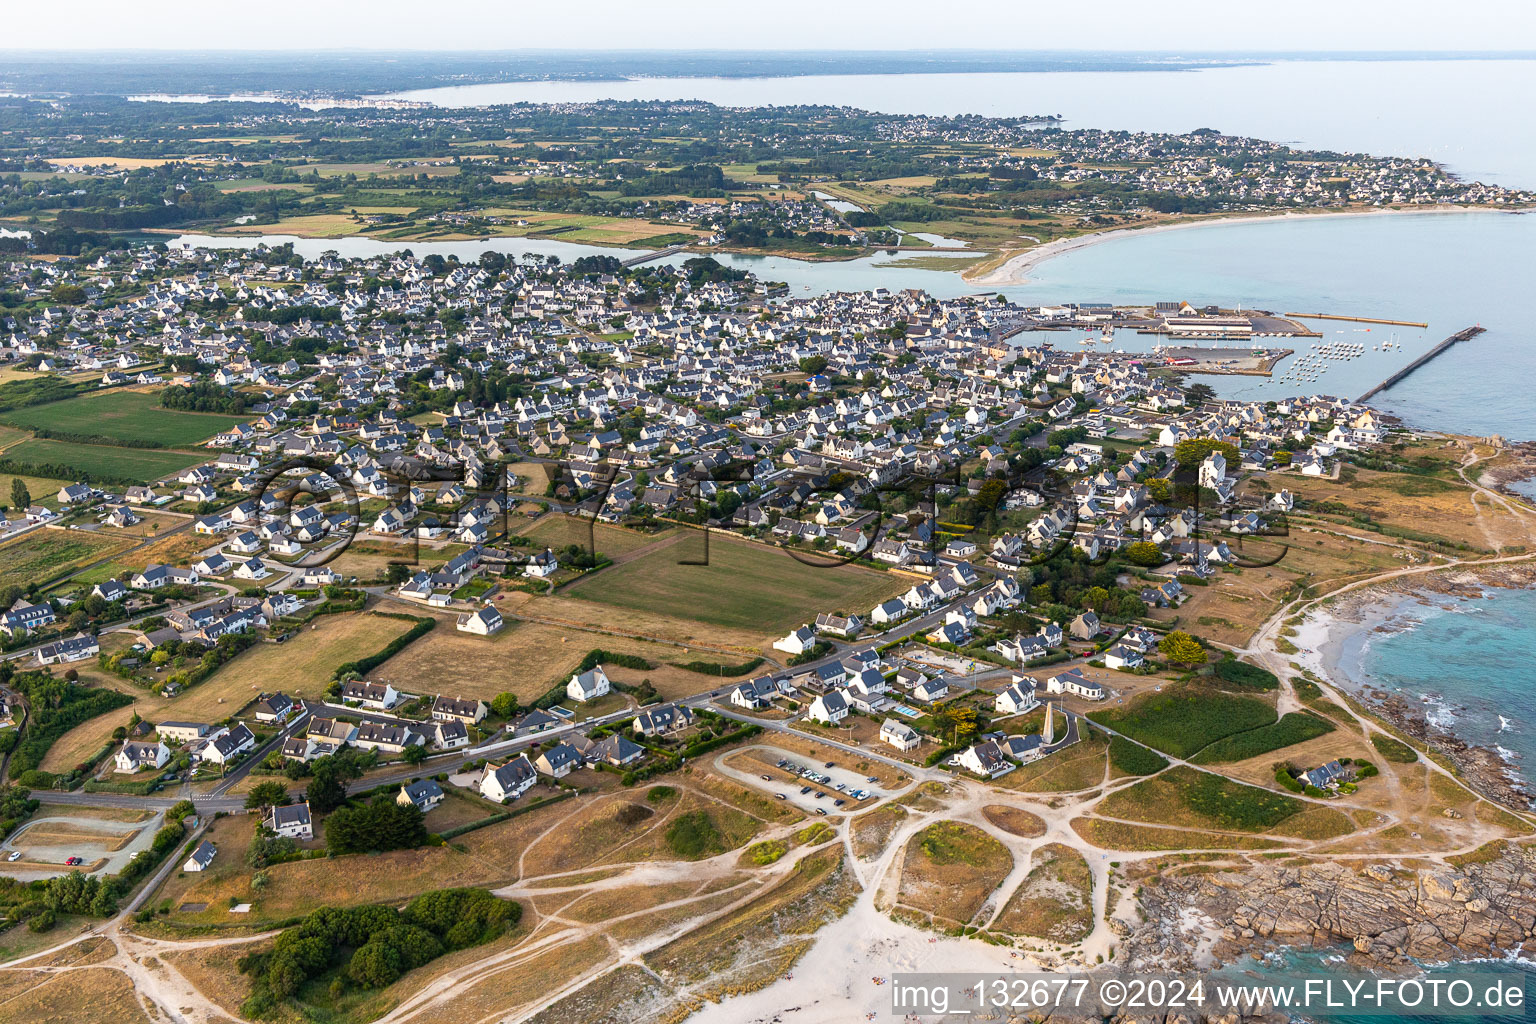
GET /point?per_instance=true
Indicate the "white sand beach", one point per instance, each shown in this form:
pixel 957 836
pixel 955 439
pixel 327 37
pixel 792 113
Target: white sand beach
pixel 1016 270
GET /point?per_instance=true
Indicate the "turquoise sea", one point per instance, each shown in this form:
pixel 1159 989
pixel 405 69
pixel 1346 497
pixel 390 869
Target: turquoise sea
pixel 1471 662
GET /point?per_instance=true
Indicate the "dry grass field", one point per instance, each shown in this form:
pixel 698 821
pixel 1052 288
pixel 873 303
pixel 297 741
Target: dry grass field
pixel 949 870
pixel 1116 835
pixel 1054 902
pixel 303 665
pixel 1014 820
pixel 88 996
pixel 525 658
pixel 871 831
pixel 43 554
pixel 558 531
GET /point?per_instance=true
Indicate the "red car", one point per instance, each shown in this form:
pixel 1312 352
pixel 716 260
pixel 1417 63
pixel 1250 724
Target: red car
pixel 73 861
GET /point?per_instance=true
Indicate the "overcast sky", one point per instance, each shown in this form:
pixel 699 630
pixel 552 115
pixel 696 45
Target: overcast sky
pixel 1183 25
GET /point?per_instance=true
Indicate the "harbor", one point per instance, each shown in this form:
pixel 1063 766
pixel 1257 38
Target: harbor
pixel 1464 334
pixel 1242 362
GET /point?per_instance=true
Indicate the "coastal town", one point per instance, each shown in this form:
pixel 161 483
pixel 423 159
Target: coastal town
pixel 425 630
pixel 906 551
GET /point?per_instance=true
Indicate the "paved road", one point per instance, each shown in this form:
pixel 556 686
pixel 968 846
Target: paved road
pixel 219 799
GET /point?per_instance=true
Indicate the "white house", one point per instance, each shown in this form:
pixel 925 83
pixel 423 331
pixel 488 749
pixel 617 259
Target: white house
pixel 588 685
pixel 508 781
pixel 797 642
pixel 542 565
pixel 1120 656
pixel 201 857
pixel 292 821
pixel 228 744
pixel 1075 683
pixel 1018 698
pixel 482 621
pixel 986 759
pixel 829 708
pixel 899 735
pixel 136 755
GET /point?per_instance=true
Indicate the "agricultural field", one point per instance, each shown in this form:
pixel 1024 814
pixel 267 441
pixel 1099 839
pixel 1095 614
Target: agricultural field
pixel 525 658
pixel 97 462
pixel 782 591
pixel 44 489
pixel 558 531
pixel 43 554
pixel 1295 727
pixel 303 664
pixel 133 417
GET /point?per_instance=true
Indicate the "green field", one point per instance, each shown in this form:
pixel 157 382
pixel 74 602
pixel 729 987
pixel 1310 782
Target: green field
pixel 102 462
pixel 744 586
pixel 43 554
pixel 1296 727
pixel 1196 799
pixel 130 416
pixel 1184 720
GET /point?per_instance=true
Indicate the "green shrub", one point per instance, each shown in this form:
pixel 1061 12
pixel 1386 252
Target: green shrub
pixel 693 836
pixel 1134 759
pixel 1393 749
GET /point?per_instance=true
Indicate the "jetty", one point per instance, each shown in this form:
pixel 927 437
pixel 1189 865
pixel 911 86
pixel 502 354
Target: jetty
pixel 1462 335
pixel 1359 319
pixel 659 254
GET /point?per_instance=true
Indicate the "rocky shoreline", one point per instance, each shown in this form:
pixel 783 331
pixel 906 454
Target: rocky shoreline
pixel 1484 769
pixel 1385 915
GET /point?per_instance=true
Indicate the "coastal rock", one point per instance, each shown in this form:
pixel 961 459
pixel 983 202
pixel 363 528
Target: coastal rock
pixel 1483 909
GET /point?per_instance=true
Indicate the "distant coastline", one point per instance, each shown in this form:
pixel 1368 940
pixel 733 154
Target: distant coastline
pixel 1015 270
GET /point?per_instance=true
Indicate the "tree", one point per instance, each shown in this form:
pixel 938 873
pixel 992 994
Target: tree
pixel 414 754
pixel 1181 648
pixel 397 572
pixel 1197 394
pixel 20 497
pixel 504 705
pixel 266 794
pixel 1192 452
pixel 958 722
pixel 1144 552
pixel 384 825
pixel 325 792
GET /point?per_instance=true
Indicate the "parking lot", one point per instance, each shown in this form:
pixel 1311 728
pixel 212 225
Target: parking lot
pixel 46 844
pixel 809 785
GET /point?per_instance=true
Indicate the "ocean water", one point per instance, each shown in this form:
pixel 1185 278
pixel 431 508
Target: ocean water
pixel 1471 662
pixel 1449 111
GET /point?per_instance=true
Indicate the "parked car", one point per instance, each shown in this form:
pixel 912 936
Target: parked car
pixel 73 861
pixel 804 790
pixel 830 764
pixel 15 855
pixel 767 778
pixel 821 810
pixel 780 796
